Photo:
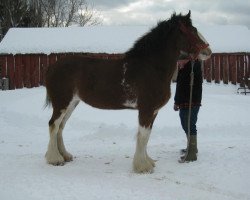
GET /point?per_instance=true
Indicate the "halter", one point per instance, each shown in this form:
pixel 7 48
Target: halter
pixel 194 41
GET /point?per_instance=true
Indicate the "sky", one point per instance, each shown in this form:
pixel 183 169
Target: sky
pixel 144 12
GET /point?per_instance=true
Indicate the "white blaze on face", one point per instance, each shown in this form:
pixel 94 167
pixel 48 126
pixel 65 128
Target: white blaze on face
pixel 202 37
pixel 204 53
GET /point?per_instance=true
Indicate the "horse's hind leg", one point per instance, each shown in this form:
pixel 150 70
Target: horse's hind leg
pixel 57 154
pixel 142 163
pixel 66 155
pixel 53 155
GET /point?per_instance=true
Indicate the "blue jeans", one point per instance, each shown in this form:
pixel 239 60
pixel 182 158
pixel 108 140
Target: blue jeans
pixel 184 119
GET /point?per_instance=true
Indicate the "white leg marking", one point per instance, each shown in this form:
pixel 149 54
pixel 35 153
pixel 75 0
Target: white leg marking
pixel 66 155
pixel 142 163
pixel 53 155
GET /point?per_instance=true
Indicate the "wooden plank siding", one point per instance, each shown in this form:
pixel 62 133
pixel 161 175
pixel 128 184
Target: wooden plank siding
pixel 29 70
pixel 232 68
pixel 43 68
pixel 217 69
pixel 227 67
pixel 3 66
pixel 248 65
pixel 11 71
pixel 18 71
pixel 26 71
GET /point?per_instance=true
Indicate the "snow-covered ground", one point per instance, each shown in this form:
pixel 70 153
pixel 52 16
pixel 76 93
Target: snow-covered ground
pixel 103 143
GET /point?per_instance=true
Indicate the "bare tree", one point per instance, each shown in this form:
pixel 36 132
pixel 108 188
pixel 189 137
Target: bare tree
pixel 35 16
pixel 12 14
pixel 19 13
pixel 67 12
pixel 87 15
pixel 49 13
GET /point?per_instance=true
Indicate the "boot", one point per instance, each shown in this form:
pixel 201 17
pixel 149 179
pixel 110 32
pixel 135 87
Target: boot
pixel 192 150
pixel 183 151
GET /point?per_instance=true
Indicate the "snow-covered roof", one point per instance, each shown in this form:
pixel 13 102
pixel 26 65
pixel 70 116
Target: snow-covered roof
pixel 92 39
pixel 109 39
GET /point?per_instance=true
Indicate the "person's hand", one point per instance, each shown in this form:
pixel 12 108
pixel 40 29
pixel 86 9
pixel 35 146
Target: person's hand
pixel 176 107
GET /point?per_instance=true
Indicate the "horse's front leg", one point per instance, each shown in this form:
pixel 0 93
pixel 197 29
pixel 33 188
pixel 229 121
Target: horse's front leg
pixel 142 163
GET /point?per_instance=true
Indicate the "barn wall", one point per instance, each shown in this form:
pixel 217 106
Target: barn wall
pixel 227 68
pixel 29 70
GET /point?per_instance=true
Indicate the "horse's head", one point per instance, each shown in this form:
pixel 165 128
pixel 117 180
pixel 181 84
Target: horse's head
pixel 192 43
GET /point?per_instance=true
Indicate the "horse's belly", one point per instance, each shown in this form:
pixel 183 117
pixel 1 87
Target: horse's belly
pixel 104 100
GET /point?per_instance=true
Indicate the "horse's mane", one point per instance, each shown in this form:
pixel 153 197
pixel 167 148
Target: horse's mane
pixel 153 41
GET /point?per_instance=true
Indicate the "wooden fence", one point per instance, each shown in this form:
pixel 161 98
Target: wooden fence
pixel 227 68
pixel 28 70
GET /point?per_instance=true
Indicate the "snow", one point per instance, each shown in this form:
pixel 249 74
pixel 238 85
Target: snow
pixel 110 39
pixel 103 143
pixel 93 39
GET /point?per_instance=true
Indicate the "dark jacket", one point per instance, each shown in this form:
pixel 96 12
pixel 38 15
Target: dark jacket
pixel 183 85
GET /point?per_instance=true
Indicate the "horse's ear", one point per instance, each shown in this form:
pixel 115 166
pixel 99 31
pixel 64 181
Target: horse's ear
pixel 173 15
pixel 189 14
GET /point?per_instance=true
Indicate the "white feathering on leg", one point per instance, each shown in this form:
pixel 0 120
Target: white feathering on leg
pixel 142 162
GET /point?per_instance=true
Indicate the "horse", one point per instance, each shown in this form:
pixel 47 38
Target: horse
pixel 139 80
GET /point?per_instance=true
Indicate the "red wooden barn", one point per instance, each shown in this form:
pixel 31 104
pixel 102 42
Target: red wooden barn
pixel 25 53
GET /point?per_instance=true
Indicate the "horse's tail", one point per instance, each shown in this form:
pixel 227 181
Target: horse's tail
pixel 47 101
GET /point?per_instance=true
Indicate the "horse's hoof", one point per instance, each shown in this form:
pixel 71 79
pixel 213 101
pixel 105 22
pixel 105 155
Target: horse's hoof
pixel 55 160
pixel 151 161
pixel 148 170
pixel 56 163
pixel 145 167
pixel 68 157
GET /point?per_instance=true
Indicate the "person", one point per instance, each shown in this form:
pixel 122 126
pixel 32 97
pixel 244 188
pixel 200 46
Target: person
pixel 181 104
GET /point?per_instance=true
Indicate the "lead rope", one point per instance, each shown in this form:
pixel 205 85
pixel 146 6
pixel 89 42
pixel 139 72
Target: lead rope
pixel 183 159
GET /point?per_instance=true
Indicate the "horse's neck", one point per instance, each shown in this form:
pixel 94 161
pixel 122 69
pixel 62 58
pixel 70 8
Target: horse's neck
pixel 167 60
pixel 169 55
pixel 164 61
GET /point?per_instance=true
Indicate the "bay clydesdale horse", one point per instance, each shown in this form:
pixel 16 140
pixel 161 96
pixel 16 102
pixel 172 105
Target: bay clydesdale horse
pixel 140 80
